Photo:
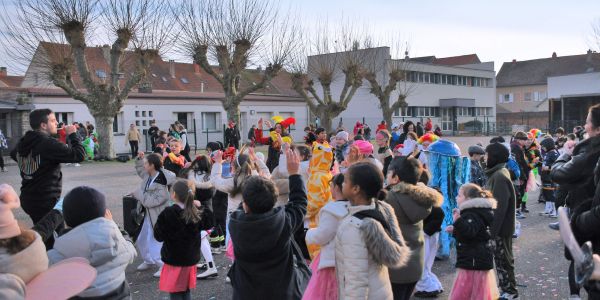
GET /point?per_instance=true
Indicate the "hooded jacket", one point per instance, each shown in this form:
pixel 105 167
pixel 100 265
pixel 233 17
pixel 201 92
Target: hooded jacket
pixel 156 197
pixel 472 233
pixel 102 244
pixel 26 263
pixel 264 260
pixel 412 204
pixel 39 156
pixel 364 251
pixel 504 192
pixel 330 217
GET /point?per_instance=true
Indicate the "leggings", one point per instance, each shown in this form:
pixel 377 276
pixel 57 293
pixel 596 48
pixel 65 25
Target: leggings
pixel 205 247
pixel 187 295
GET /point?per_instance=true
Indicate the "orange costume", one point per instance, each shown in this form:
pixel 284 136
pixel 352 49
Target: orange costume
pixel 319 192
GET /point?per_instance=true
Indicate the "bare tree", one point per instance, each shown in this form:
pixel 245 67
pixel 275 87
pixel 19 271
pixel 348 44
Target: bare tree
pixel 332 57
pixel 235 34
pixel 54 35
pixel 386 76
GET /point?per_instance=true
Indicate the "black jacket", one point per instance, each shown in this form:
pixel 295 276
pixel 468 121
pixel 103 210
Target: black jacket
pixel 173 167
pixel 575 173
pixel 519 154
pixel 472 233
pixel 39 156
pixel 263 267
pixel 433 223
pixel 181 240
pixel 232 137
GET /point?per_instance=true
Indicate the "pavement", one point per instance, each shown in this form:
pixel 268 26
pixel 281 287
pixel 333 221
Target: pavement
pixel 541 269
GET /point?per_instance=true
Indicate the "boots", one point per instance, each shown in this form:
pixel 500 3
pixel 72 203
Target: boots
pixel 211 271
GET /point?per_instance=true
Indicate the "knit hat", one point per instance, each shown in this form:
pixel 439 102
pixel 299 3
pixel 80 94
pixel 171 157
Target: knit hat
pixel 342 135
pixel 548 143
pixel 476 149
pixel 8 224
pixel 496 154
pixel 394 126
pixel 364 147
pixel 521 136
pixel 83 204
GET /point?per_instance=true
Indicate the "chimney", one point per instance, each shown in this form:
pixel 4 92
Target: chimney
pixel 589 56
pixel 172 68
pixel 554 55
pixel 514 61
pixel 106 52
pixel 406 55
pixel 3 72
pixel 202 87
pixel 196 69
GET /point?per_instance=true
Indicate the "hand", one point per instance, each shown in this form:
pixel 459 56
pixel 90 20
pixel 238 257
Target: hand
pixel 450 229
pixel 285 146
pixel 197 203
pixel 140 155
pixel 455 214
pixel 596 272
pixel 293 162
pixel 70 129
pixel 8 194
pixel 108 214
pixel 279 139
pixel 252 154
pixel 268 123
pixel 218 157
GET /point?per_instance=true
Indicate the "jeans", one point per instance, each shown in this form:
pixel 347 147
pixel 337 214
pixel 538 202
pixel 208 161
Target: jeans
pixel 505 265
pixel 134 148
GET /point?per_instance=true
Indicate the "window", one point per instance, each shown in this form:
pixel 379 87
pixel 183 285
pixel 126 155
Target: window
pixel 424 111
pixel 137 113
pixel 118 123
pixel 64 117
pixel 402 112
pixel 150 114
pixel 185 118
pixel 464 111
pixel 101 74
pixel 144 123
pixel 137 123
pixel 210 121
pixel 144 113
pixel 527 96
pixel 505 98
pixel 539 96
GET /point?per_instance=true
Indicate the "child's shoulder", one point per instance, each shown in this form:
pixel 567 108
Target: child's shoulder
pixel 337 208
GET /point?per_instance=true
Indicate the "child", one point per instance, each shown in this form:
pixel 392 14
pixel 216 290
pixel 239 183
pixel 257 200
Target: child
pixel 549 187
pixel 262 239
pixel 93 235
pixel 412 203
pixel 175 161
pixel 153 196
pixel 323 283
pixel 477 174
pixel 475 278
pixel 361 151
pixel 178 226
pixel 424 141
pixel 384 153
pixel 368 240
pixel 200 175
pixel 342 146
pixel 410 144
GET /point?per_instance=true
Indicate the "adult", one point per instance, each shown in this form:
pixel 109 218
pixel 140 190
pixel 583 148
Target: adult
pixel 420 129
pixel 517 149
pixel 251 134
pixel 428 125
pixel 153 133
pixel 185 144
pixel 39 156
pixel 232 135
pixel 133 138
pixel 367 131
pixel 438 131
pixel 503 225
pixel 586 217
pixel 409 126
pixel 174 131
pixel 274 141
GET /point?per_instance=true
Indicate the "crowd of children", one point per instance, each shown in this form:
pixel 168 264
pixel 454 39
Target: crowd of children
pixel 333 219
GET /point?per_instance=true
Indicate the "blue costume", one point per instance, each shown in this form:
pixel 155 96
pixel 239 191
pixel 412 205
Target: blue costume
pixel 449 171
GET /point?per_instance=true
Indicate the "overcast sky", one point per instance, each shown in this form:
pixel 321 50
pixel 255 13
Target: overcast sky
pixel 497 31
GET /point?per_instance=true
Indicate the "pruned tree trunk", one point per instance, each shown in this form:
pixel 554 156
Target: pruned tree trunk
pixel 104 127
pixel 232 109
pixel 387 117
pixel 326 120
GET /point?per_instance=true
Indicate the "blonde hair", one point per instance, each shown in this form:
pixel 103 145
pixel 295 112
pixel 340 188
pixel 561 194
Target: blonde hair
pixel 471 190
pixel 185 191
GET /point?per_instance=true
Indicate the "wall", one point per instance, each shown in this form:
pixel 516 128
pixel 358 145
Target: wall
pixel 573 85
pixel 519 104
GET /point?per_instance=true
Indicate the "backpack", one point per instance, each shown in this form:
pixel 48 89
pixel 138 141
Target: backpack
pixel 513 168
pixel 376 215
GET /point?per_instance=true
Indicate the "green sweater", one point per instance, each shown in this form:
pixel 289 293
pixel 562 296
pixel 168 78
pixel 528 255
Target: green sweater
pixel 504 192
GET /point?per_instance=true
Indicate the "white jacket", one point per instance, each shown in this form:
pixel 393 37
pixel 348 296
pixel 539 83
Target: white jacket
pixel 201 181
pixel 282 170
pixel 226 185
pixel 330 217
pixel 100 241
pixel 364 251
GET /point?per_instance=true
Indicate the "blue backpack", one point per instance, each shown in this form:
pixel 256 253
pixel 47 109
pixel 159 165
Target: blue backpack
pixel 513 168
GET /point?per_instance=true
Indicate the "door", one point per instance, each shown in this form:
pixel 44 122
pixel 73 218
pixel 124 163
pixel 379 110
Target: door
pixel 243 126
pixel 447 118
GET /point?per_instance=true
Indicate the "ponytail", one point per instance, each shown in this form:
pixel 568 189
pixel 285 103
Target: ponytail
pixel 471 190
pixel 185 192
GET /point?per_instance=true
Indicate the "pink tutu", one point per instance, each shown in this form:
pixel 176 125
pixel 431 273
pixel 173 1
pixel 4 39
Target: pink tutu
pixel 322 284
pixel 177 279
pixel 474 285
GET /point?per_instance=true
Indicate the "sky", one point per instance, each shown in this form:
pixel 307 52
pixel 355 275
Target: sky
pixel 498 31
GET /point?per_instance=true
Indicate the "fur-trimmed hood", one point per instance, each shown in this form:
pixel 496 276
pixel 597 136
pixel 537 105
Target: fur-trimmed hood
pixel 415 200
pixel 478 203
pixel 385 249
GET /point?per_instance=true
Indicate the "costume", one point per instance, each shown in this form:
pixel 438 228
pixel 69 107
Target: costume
pixel 449 170
pixel 273 141
pixel 319 192
pixel 88 144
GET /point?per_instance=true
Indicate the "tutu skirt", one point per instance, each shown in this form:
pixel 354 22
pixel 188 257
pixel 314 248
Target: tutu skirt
pixel 322 284
pixel 177 279
pixel 474 285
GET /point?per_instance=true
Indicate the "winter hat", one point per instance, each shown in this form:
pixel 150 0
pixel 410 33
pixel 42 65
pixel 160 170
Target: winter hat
pixel 548 143
pixel 394 126
pixel 83 204
pixel 496 154
pixel 476 149
pixel 364 147
pixel 8 224
pixel 342 135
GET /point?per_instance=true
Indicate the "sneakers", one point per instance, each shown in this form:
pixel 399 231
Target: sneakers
pixel 4 170
pixel 201 266
pixel 144 266
pixel 77 165
pixel 520 215
pixel 227 279
pixel 525 210
pixel 157 274
pixel 554 226
pixel 507 296
pixel 210 272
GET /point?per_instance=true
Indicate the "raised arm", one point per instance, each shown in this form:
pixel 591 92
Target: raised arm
pixel 72 152
pixel 295 209
pixel 224 185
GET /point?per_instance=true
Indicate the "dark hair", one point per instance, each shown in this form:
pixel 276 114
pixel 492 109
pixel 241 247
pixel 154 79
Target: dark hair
pixel 61 124
pixel 497 139
pixel 338 180
pixel 243 170
pixel 425 177
pixel 368 178
pixel 201 165
pixel 259 194
pixel 571 136
pixel 521 136
pixel 307 128
pixel 408 169
pixel 472 190
pixel 161 140
pixel 155 160
pixel 185 190
pixel 39 116
pixel 319 130
pixel 305 151
pixel 406 125
pixel 18 243
pixel 595 112
pixel 560 130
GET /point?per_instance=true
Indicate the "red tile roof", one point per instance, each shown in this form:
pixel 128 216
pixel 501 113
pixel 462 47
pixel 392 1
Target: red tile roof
pixel 186 78
pixel 458 60
pixel 11 81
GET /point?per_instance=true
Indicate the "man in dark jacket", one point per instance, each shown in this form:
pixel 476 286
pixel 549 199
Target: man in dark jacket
pixel 503 226
pixel 39 156
pixel 262 239
pixel 153 133
pixel 232 135
pixel 518 152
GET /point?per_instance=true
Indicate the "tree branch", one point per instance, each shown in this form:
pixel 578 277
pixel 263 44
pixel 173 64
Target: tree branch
pixel 201 58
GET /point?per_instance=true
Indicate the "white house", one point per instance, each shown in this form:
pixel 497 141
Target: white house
pixel 178 92
pixel 451 91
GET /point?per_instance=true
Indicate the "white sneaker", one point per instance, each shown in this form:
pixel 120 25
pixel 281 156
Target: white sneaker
pixel 209 273
pixel 507 296
pixel 227 279
pixel 157 274
pixel 144 266
pixel 201 265
pixel 215 250
pixel 77 165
